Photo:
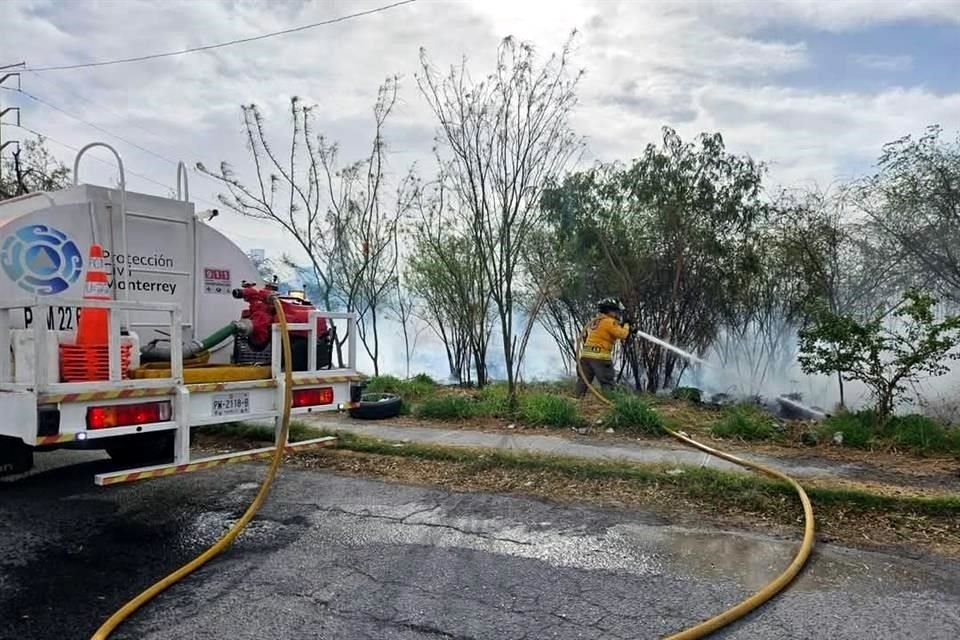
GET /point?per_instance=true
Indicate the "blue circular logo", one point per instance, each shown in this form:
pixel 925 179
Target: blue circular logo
pixel 41 260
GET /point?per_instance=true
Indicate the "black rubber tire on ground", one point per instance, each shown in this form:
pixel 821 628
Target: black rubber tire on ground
pixel 15 456
pixel 377 406
pixel 146 449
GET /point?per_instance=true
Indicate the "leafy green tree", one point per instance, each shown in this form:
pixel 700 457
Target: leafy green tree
pixel 672 235
pixel 885 356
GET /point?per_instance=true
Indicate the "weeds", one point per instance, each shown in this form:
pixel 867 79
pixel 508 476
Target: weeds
pixel 689 394
pixel 921 433
pixel 549 410
pixel 632 414
pixel 493 401
pixel 745 422
pixel 856 429
pixel 417 387
pixel 727 487
pixel 453 407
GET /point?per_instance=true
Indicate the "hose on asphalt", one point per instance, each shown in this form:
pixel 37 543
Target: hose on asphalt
pixel 736 612
pixel 220 545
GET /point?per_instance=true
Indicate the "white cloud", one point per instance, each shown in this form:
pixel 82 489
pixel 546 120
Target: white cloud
pixel 697 66
pixel 882 62
pixel 828 15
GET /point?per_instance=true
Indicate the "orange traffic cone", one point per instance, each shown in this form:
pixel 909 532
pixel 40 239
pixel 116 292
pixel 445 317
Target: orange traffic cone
pixel 93 325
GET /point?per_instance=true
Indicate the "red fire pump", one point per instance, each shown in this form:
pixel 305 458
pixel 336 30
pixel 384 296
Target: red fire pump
pixel 261 314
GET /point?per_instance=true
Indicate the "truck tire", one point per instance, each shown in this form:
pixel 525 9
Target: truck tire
pixel 15 456
pixel 147 449
pixel 377 406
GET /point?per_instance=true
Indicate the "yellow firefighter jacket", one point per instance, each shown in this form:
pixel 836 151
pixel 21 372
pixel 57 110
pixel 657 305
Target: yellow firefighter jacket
pixel 601 334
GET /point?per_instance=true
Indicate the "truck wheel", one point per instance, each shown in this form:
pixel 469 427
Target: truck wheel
pixel 15 456
pixel 148 449
pixel 377 406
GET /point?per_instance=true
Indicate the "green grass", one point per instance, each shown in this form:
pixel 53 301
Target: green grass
pixel 417 387
pixel 548 410
pixel 493 401
pixel 745 422
pixel 915 432
pixel 633 414
pixel 857 429
pixel 724 487
pixel 454 407
pixel 921 433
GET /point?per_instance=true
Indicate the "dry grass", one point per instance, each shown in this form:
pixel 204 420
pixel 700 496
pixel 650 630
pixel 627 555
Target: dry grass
pixel 856 513
pixel 779 515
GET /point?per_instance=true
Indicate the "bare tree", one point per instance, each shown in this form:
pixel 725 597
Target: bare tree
pixel 508 135
pixel 843 265
pixel 31 169
pixel 914 198
pixel 336 216
pixel 447 277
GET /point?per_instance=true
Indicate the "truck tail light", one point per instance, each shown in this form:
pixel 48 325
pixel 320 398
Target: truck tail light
pixel 312 397
pixel 126 415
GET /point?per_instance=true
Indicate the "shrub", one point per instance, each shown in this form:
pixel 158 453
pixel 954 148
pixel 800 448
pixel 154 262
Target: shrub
pixel 549 410
pixel 419 386
pixel 493 400
pixel 919 432
pixel 690 394
pixel 953 440
pixel 384 384
pixel 857 428
pixel 745 422
pixel 633 414
pixel 453 407
pixel 422 378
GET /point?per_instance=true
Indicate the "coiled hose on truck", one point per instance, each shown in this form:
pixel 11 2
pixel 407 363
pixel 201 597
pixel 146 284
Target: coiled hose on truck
pixel 736 612
pixel 221 545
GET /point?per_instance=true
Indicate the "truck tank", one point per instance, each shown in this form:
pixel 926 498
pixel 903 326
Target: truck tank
pixel 171 256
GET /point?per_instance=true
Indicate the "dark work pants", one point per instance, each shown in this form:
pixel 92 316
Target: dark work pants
pixel 596 372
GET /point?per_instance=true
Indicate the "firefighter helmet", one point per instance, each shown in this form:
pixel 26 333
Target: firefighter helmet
pixel 610 304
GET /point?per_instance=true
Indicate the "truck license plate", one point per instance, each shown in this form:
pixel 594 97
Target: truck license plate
pixel 231 404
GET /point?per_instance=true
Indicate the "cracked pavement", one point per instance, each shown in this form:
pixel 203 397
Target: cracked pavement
pixel 340 557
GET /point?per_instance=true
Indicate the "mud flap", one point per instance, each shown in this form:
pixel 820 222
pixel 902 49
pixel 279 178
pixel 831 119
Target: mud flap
pixel 15 456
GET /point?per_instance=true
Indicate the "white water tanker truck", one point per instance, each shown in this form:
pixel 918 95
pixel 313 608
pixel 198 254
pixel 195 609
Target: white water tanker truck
pixel 191 338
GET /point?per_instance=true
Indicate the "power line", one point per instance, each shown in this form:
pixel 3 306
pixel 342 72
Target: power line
pixel 101 160
pixel 109 133
pixel 100 107
pixel 90 124
pixel 180 52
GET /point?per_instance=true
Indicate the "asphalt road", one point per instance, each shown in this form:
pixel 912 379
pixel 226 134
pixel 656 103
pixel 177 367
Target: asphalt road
pixel 335 557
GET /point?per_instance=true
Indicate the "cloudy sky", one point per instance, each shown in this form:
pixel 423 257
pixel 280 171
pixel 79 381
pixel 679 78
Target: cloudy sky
pixel 812 88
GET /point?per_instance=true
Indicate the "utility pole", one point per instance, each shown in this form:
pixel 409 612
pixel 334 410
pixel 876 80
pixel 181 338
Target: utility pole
pixel 12 75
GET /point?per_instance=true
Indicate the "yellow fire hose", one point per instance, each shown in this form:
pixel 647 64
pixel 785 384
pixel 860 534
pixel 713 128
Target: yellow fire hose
pixel 736 612
pixel 220 545
pixel 699 631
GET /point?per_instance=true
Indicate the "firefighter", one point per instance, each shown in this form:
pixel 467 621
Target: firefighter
pixel 599 337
